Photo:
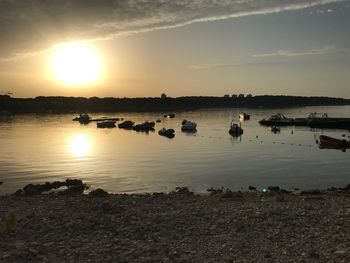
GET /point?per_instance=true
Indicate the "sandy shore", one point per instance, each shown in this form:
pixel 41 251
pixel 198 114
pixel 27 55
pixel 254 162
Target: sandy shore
pixel 177 227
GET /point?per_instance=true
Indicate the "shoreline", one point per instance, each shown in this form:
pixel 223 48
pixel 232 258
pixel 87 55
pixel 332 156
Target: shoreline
pixel 180 226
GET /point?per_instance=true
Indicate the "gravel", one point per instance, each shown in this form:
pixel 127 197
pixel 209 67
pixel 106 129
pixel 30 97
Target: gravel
pixel 177 227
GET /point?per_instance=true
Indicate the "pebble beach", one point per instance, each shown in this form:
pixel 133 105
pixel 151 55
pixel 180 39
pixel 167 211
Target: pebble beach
pixel 181 226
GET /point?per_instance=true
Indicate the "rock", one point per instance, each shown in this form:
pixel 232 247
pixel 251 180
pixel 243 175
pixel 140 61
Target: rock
pixel 229 194
pixel 33 251
pixel 284 191
pixel 158 194
pixel 346 188
pixel 183 190
pixel 32 189
pixel 215 191
pixel 311 192
pixel 252 188
pixel 74 190
pixel 19 192
pixel 98 193
pixel 1 182
pixel 341 252
pixel 74 182
pixel 280 198
pixel 106 206
pixel 273 188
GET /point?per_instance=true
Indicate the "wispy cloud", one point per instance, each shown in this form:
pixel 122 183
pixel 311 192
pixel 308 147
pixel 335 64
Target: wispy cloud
pixel 309 52
pixel 223 65
pixel 28 26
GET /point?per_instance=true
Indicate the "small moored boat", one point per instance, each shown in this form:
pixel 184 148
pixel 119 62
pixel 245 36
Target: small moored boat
pixel 83 118
pixel 278 119
pixel 324 140
pixel 170 115
pixel 188 126
pixel 170 133
pixel 244 116
pixel 106 124
pixel 235 129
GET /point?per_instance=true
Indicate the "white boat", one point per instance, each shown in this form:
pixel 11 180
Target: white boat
pixel 235 129
pixel 188 126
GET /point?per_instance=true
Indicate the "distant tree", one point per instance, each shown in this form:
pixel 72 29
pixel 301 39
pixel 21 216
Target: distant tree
pixel 163 96
pixel 234 96
pixel 249 95
pixel 226 96
pixel 241 96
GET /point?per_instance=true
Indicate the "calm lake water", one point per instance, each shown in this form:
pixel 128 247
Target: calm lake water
pixel 39 148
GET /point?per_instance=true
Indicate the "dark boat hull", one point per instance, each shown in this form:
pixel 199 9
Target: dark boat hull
pixel 333 142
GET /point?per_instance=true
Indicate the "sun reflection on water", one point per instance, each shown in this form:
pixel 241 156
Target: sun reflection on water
pixel 80 145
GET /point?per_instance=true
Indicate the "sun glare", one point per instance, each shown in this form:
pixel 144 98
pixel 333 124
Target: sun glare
pixel 80 145
pixel 76 64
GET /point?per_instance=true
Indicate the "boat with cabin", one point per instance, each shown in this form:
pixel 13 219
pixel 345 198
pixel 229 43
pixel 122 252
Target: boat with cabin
pixel 277 120
pixel 235 129
pixel 188 126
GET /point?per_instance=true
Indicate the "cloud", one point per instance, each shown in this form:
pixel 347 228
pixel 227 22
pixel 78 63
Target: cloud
pixel 30 26
pixel 309 52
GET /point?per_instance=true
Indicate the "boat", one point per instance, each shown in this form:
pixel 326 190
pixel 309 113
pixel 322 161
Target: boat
pixel 235 129
pixel 128 125
pixel 244 116
pixel 106 124
pixel 170 115
pixel 188 126
pixel 169 133
pixel 316 120
pixel 83 118
pixel 278 119
pixel 325 141
pixel 275 129
pixel 144 127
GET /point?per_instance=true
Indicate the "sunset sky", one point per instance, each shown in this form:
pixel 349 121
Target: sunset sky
pixel 181 48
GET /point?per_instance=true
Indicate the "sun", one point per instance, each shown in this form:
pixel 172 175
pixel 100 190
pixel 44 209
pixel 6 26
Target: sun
pixel 76 64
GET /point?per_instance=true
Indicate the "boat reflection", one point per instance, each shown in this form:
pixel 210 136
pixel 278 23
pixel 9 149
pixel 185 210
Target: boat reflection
pixel 80 145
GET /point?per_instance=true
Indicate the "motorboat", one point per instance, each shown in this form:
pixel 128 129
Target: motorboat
pixel 83 118
pixel 106 124
pixel 170 115
pixel 169 133
pixel 278 119
pixel 316 120
pixel 324 140
pixel 144 127
pixel 128 125
pixel 235 129
pixel 244 116
pixel 188 126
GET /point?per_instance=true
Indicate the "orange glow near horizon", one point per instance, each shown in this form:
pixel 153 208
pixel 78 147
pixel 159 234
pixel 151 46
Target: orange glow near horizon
pixel 76 64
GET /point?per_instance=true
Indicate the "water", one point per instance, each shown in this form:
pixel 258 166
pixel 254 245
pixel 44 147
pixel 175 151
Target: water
pixel 40 148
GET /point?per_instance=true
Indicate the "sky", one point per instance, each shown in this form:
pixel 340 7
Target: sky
pixel 180 48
